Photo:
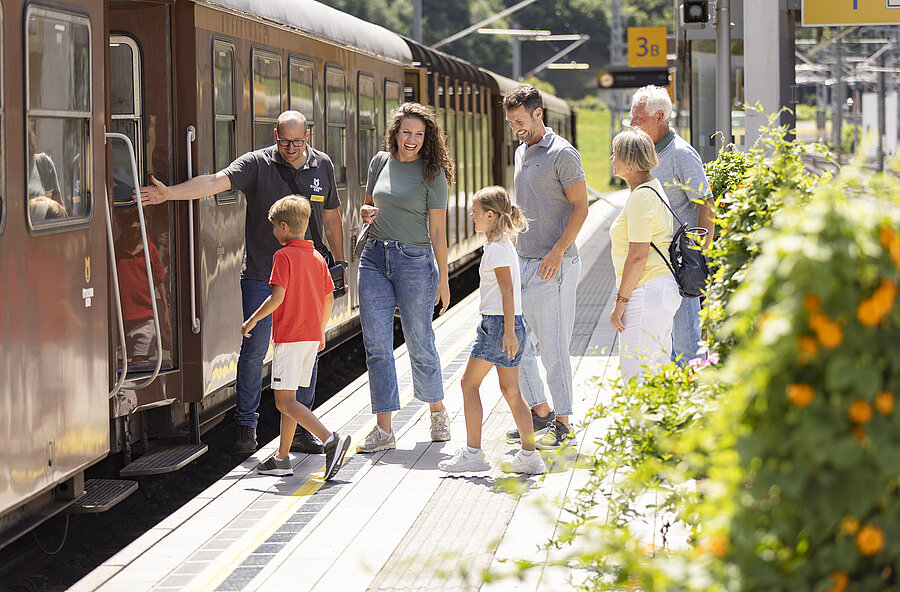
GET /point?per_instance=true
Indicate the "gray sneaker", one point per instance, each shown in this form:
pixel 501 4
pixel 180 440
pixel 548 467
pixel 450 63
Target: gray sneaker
pixel 335 451
pixel 378 439
pixel 540 424
pixel 440 426
pixel 273 466
pixel 558 434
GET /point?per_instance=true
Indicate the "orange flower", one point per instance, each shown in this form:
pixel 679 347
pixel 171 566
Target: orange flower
pixel 859 434
pixel 860 412
pixel 840 579
pixel 812 302
pixel 886 236
pixel 807 346
pixel 849 525
pixel 870 540
pixel 800 394
pixel 884 402
pixel 868 313
pixel 830 335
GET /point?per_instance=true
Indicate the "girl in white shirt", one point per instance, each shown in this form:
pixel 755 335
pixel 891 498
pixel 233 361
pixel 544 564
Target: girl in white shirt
pixel 500 336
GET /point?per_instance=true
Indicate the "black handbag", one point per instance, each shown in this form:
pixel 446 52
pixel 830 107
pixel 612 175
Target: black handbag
pixel 335 269
pixel 686 261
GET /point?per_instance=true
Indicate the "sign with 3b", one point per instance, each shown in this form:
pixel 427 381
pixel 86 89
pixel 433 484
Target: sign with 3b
pixel 646 46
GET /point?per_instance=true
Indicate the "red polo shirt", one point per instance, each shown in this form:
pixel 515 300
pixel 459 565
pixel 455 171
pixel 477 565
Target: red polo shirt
pixel 301 270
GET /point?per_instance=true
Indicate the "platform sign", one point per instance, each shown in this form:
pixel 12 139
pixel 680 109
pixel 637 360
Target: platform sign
pixel 632 77
pixel 821 13
pixel 647 46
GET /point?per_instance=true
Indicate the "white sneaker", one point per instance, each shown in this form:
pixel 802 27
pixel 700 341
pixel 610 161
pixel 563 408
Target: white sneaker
pixel 465 462
pixel 378 439
pixel 440 426
pixel 530 464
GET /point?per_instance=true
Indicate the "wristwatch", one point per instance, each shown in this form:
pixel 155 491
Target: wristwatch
pixel 621 298
pixel 343 264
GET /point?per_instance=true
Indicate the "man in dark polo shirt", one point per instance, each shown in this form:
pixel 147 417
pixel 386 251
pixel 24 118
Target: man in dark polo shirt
pixel 263 175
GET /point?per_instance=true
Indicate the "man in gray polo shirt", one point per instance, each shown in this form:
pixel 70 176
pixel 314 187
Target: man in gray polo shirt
pixel 681 173
pixel 266 176
pixel 552 193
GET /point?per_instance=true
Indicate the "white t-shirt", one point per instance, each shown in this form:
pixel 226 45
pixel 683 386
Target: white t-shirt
pixel 500 253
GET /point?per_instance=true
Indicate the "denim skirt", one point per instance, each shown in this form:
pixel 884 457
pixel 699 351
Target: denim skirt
pixel 488 344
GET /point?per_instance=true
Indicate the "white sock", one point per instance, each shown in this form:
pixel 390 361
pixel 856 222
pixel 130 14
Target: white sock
pixel 472 451
pixel 281 459
pixel 528 452
pixel 330 438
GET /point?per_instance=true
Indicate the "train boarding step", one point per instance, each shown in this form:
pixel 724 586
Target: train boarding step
pixel 102 494
pixel 164 460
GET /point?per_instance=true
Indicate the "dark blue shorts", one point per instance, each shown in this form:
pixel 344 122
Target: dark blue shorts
pixel 488 344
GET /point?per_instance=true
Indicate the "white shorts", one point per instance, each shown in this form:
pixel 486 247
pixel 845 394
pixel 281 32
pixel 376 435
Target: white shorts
pixel 292 364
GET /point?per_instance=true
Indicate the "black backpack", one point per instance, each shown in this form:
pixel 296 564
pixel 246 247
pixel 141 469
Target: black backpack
pixel 686 261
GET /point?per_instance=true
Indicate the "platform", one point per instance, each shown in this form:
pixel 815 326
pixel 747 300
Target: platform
pixel 391 520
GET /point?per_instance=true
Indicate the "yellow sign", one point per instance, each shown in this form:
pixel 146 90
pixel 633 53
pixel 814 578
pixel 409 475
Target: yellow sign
pixel 647 46
pixel 819 13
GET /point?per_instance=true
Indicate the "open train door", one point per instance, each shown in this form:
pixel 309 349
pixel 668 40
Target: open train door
pixel 141 108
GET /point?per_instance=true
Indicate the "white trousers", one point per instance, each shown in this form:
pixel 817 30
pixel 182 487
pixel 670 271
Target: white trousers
pixel 645 343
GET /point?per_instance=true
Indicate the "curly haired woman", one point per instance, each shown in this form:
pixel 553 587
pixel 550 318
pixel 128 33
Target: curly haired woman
pixel 404 265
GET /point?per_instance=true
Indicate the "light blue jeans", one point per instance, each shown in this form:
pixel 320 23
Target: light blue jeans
pixel 686 331
pixel 253 353
pixel 549 310
pixel 393 275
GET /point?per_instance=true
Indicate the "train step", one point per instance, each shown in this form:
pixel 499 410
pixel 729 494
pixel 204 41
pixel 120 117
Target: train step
pixel 102 494
pixel 164 460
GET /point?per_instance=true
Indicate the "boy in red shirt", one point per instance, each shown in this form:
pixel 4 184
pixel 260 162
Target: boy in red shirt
pixel 300 305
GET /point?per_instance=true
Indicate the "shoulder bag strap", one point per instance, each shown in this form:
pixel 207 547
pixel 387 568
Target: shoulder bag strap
pixel 381 158
pixel 655 248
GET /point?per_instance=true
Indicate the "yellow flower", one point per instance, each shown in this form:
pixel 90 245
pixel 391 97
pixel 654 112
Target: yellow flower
pixel 840 579
pixel 884 402
pixel 849 525
pixel 800 394
pixel 870 540
pixel 860 412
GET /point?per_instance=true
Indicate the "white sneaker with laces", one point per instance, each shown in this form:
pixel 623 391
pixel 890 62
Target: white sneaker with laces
pixel 529 464
pixel 440 426
pixel 465 462
pixel 378 439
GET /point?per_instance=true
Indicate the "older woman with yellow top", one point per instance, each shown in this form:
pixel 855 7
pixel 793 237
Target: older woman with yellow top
pixel 647 295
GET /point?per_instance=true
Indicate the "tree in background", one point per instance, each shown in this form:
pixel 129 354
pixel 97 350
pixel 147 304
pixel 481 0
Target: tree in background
pixel 442 18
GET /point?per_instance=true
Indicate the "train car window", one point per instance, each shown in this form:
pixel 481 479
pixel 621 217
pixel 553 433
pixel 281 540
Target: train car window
pixel 125 112
pixel 266 96
pixel 58 111
pixel 391 98
pixel 302 85
pixel 366 128
pixel 224 147
pixel 336 121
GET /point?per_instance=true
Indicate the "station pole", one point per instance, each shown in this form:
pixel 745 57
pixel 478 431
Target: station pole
pixel 723 74
pixel 417 20
pixel 837 96
pixel 882 126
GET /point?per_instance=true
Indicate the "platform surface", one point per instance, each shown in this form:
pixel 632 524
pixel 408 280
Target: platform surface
pixel 392 521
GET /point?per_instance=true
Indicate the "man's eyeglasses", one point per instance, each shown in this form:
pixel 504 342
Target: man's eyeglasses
pixel 286 143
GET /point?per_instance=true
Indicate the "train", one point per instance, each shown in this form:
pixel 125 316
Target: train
pixel 98 356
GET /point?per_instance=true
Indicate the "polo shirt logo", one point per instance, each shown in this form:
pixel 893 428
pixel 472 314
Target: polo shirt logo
pixel 315 185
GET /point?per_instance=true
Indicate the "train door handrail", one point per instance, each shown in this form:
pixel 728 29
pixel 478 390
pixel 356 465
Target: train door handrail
pixel 195 320
pixel 140 210
pixel 118 297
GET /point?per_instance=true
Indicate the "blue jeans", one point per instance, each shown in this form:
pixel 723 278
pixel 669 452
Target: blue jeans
pixel 393 275
pixel 549 310
pixel 686 331
pixel 253 353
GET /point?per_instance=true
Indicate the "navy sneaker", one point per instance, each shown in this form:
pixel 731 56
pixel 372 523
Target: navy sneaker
pixel 335 451
pixel 244 440
pixel 558 434
pixel 305 442
pixel 539 423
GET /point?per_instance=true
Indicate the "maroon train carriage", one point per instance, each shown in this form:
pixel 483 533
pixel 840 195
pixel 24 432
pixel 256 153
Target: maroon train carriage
pixel 192 85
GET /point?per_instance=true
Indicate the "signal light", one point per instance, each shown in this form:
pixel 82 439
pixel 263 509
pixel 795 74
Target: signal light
pixel 694 14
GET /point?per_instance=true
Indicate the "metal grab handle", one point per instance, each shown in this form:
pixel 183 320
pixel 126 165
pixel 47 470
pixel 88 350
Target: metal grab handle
pixel 118 297
pixel 195 320
pixel 140 209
